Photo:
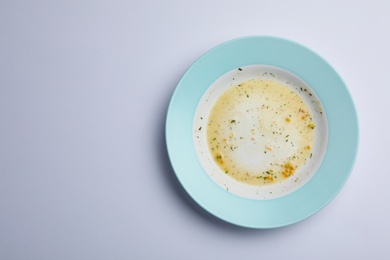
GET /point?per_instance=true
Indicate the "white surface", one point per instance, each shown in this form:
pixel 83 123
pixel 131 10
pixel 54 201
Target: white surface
pixel 84 88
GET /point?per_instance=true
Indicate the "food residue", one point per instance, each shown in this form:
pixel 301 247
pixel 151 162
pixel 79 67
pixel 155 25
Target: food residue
pixel 260 132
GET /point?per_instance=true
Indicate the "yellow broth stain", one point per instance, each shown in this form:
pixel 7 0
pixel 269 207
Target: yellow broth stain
pixel 260 132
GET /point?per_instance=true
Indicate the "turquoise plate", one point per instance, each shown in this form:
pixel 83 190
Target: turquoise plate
pixel 342 128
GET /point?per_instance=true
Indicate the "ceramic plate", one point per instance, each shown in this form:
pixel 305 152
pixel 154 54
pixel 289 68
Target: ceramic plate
pixel 325 167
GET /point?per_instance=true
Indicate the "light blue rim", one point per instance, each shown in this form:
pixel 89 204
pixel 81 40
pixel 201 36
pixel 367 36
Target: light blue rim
pixel 342 120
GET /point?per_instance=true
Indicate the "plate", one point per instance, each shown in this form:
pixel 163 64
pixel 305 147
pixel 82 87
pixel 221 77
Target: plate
pixel 334 165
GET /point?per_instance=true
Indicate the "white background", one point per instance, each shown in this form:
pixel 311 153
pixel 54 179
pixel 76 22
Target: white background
pixel 84 89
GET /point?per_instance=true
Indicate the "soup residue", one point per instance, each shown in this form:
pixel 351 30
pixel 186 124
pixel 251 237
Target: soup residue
pixel 260 132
